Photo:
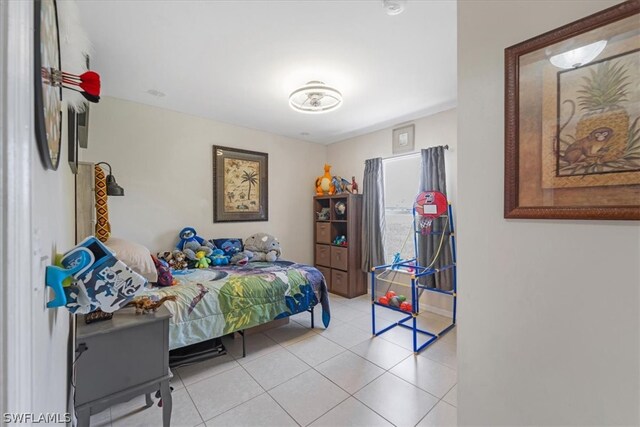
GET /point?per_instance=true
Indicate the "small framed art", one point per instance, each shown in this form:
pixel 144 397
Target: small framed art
pixel 572 120
pixel 240 187
pixel 403 139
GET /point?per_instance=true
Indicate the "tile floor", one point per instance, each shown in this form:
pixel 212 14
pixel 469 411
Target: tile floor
pixel 294 376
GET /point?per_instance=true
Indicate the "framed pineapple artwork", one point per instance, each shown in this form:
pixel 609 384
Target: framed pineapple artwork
pixel 572 120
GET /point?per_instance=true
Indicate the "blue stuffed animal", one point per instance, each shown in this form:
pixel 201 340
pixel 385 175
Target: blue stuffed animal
pixel 218 258
pixel 187 235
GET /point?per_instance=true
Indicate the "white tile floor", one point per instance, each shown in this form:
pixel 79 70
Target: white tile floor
pixel 296 376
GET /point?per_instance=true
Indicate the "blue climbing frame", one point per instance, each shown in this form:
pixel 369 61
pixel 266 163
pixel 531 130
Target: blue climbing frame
pixel 417 288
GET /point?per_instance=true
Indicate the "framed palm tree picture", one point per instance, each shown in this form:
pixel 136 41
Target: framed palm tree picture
pixel 240 188
pixel 572 120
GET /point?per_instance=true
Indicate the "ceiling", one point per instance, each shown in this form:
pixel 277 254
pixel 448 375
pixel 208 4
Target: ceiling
pixel 238 61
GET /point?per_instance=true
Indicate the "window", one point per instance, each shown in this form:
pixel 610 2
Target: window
pixel 401 185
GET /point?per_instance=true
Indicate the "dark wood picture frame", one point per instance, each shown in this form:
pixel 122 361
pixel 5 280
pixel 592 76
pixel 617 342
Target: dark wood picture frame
pixel 235 170
pixel 513 105
pixel 72 140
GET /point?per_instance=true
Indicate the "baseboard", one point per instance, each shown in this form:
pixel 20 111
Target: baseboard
pixel 436 310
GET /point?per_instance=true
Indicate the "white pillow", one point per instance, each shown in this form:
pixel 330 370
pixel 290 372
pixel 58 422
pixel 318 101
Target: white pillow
pixel 137 257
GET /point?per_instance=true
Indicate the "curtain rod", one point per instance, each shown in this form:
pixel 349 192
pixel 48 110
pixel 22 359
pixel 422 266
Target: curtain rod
pixel 398 156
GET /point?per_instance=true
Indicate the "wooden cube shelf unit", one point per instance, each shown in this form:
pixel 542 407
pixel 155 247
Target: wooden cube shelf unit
pixel 340 265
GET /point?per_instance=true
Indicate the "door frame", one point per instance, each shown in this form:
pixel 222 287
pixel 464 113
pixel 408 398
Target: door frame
pixel 16 162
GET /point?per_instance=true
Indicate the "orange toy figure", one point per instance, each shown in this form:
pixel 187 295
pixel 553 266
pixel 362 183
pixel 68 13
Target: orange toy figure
pixel 324 184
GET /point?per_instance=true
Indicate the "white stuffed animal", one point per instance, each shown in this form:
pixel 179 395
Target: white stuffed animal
pixel 264 247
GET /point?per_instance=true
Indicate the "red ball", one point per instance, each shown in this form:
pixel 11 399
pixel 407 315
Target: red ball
pixel 390 294
pixel 406 306
pixel 383 300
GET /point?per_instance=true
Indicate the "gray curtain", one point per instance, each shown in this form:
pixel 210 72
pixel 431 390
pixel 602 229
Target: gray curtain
pixel 372 214
pixel 433 178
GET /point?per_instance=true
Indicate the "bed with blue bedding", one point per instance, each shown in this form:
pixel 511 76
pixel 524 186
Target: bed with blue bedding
pixel 220 300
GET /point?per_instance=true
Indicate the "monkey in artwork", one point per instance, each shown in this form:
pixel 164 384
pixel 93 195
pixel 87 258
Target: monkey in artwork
pixel 591 146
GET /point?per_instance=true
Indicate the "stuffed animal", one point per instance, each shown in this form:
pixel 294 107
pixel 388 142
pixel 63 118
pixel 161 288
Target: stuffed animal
pixel 264 246
pixel 230 247
pixel 241 258
pixel 191 249
pixel 340 184
pixel 323 215
pixel 180 260
pixel 202 260
pixel 354 185
pixel 187 235
pixel 324 184
pixel 176 260
pixel 165 278
pixel 218 257
pixel 166 257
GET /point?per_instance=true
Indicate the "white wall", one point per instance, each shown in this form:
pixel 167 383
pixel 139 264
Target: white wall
pixel 347 158
pixel 37 222
pixel 163 159
pixel 53 228
pixel 549 309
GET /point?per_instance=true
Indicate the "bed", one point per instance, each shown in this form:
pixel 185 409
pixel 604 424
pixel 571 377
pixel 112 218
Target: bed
pixel 213 302
pixel 220 300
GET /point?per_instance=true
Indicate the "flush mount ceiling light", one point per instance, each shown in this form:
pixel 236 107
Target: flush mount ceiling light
pixel 315 97
pixel 576 57
pixel 394 7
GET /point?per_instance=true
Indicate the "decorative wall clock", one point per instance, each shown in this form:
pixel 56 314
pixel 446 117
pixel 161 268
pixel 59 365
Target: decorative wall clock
pixel 48 83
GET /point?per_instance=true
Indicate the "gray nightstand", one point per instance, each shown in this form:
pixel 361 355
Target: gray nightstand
pixel 124 357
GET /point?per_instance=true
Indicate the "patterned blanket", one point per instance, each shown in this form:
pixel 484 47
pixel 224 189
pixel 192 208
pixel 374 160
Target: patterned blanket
pixel 220 300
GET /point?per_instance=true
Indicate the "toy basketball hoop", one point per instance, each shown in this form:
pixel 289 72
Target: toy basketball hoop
pixel 428 206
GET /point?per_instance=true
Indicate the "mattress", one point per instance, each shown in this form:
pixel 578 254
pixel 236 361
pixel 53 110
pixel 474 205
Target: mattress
pixel 219 300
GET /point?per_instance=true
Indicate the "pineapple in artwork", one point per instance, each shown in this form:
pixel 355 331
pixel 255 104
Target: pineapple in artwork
pixel 601 98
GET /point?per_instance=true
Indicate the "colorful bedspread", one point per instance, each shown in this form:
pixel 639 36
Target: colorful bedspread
pixel 220 300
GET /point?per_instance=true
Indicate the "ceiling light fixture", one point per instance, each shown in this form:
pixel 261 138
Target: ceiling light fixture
pixel 315 97
pixel 394 7
pixel 577 57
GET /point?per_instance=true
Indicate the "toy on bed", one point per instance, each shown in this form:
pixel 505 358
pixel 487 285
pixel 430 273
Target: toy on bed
pixel 264 247
pixel 165 278
pixel 188 235
pixel 201 260
pixel 230 246
pixel 241 258
pixel 191 249
pixel 219 258
pixel 177 260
